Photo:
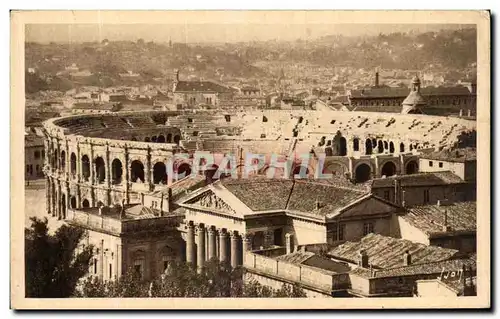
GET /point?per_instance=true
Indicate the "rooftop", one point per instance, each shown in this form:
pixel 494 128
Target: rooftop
pixel 313 260
pixel 201 86
pixel 430 218
pixel 419 179
pixel 388 92
pixel 387 252
pixel 32 140
pixel 455 155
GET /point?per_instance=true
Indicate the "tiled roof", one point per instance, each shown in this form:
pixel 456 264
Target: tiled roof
pixel 378 108
pixel 201 86
pixel 414 99
pixel 430 218
pixel 456 155
pixel 427 268
pixel 388 92
pixel 313 260
pixel 387 252
pixel 420 179
pixel 293 195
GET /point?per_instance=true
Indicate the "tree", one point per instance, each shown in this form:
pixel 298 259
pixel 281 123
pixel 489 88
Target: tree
pixel 217 280
pixel 53 265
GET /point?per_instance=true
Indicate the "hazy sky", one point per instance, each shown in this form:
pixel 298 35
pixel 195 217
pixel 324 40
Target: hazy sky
pixel 211 32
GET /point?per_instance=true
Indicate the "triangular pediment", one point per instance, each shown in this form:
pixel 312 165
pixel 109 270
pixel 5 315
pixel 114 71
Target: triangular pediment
pixel 367 206
pixel 210 200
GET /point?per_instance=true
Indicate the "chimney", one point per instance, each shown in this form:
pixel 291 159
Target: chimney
pixel 166 202
pixel 406 258
pixel 445 222
pixel 376 79
pixel 289 243
pixel 397 191
pixel 363 259
pixel 318 204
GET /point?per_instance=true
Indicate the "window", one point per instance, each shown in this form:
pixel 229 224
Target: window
pixel 387 195
pixel 43 154
pixel 95 265
pixel 426 196
pixel 431 163
pixel 367 228
pixel 190 120
pixel 262 135
pixel 264 119
pixel 342 232
pixel 228 118
pixel 37 154
pixel 110 271
pixel 440 164
pixel 195 133
pixel 27 168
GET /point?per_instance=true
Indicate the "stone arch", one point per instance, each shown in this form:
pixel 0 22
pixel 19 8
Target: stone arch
pixel 147 139
pixel 386 145
pixel 72 202
pixel 362 173
pixel 380 147
pixel 63 160
pixel 388 169
pixel 343 146
pixel 374 143
pixel 85 203
pixel 169 138
pixel 154 139
pixel 402 147
pixel 355 144
pixel 85 167
pixel 412 167
pixel 160 173
pixel 72 165
pixel 368 147
pixel 100 170
pixel 134 138
pixel 137 171
pixel 391 147
pixel 166 256
pixel 183 170
pixel 411 147
pixel 177 139
pixel 116 171
pixel 139 263
pixel 161 138
pixel 335 168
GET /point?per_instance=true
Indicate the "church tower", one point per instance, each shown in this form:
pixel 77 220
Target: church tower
pixel 414 102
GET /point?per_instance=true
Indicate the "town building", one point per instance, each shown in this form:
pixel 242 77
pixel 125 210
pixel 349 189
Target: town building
pixel 34 156
pixel 461 161
pixel 192 93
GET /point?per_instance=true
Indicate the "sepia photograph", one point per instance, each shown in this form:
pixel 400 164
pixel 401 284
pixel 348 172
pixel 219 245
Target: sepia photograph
pixel 244 158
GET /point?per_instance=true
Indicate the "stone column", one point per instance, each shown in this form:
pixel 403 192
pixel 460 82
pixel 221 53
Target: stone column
pixel 201 246
pixel 101 261
pixel 235 250
pixel 148 171
pixel 126 171
pixel 190 243
pixel 92 166
pixel 107 167
pixel 67 165
pixel 223 254
pixel 78 163
pixel 212 244
pixel 246 243
pixel 47 195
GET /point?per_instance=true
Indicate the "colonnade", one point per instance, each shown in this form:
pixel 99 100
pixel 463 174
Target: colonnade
pixel 204 243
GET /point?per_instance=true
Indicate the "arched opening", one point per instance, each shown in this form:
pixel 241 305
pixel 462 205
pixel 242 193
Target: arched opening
pixel 411 167
pixel 328 151
pixel 355 145
pixel 391 147
pixel 85 203
pixel 411 147
pixel 63 160
pixel 388 169
pixel 386 145
pixel 363 173
pixel 374 143
pixel 63 206
pixel 146 139
pixel 160 173
pixel 100 170
pixel 177 138
pixel 154 139
pixel 139 264
pixel 343 146
pixel 137 172
pixel 402 147
pixel 72 160
pixel 85 167
pixel 166 256
pixel 134 138
pixel 169 138
pixel 161 139
pixel 301 171
pixel 183 170
pixel 72 202
pixel 116 171
pixel 368 147
pixel 380 148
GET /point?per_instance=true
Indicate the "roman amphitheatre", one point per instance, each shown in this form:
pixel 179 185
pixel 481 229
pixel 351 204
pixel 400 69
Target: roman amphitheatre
pixel 115 158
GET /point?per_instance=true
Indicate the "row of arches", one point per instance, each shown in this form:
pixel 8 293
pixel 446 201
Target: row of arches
pixel 363 172
pixel 169 138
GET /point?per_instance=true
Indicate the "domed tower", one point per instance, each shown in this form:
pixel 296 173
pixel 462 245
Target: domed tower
pixel 414 102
